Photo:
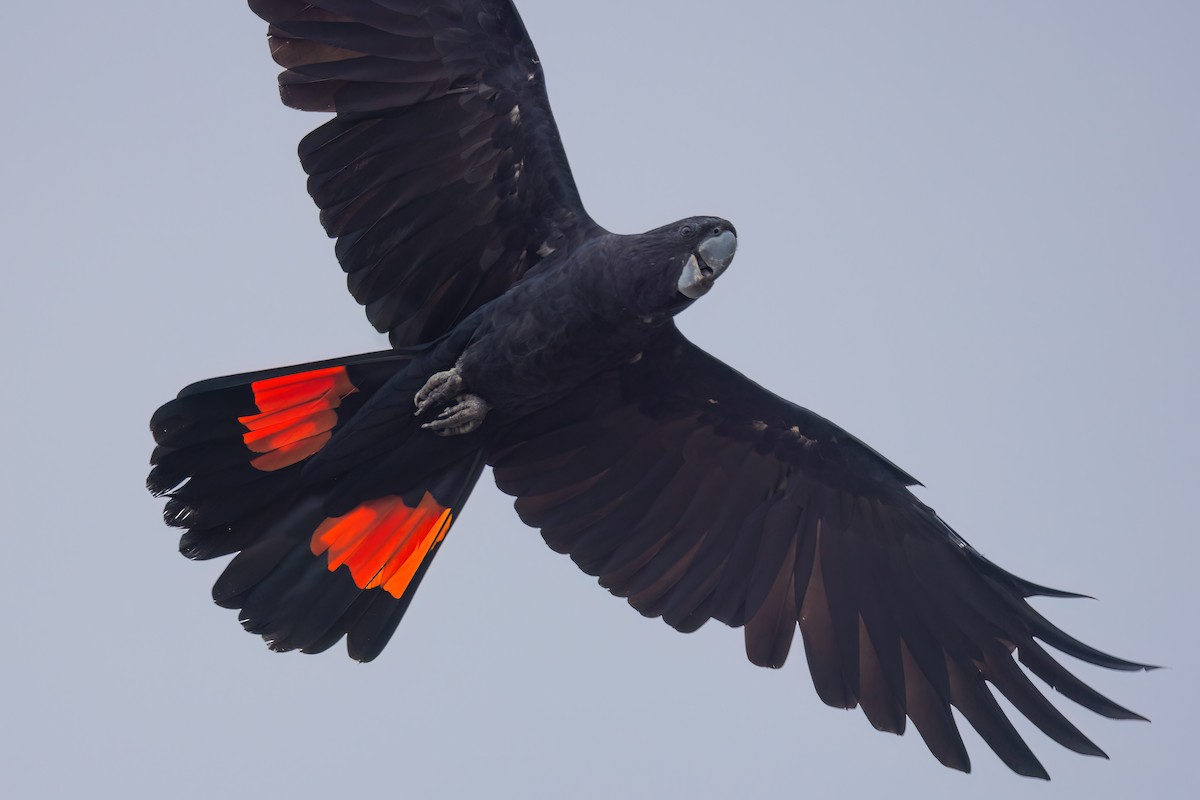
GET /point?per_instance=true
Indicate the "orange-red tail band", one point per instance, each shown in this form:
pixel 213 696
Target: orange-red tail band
pixel 383 541
pixel 296 416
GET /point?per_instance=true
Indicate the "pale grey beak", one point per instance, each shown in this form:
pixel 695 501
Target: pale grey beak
pixel 698 274
pixel 718 251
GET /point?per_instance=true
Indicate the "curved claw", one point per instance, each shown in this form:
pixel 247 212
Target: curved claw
pixel 440 387
pixel 463 417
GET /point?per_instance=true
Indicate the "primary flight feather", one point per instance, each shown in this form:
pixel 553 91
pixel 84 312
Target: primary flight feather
pixel 527 337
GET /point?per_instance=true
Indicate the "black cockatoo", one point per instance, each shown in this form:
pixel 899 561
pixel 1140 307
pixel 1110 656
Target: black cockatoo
pixel 527 337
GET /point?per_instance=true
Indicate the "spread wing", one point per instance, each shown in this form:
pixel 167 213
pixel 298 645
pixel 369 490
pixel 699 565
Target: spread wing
pixel 697 494
pixel 442 176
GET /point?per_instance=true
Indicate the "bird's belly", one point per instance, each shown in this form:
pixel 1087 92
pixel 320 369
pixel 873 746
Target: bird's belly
pixel 518 370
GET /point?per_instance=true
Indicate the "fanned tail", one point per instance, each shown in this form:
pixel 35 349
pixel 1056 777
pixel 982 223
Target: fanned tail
pixel 324 553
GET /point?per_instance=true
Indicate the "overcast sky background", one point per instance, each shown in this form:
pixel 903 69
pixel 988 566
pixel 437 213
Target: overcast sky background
pixel 970 234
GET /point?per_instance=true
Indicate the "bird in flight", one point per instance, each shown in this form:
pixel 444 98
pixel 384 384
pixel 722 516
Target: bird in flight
pixel 526 337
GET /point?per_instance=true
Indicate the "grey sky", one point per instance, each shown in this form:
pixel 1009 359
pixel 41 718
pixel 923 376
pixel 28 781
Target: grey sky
pixel 969 233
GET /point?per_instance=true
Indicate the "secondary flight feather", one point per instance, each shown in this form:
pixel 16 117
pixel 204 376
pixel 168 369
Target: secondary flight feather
pixel 527 337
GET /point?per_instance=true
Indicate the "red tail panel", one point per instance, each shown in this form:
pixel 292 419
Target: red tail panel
pixel 296 415
pixel 383 541
pixel 285 391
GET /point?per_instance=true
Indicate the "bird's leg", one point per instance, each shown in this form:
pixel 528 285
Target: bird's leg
pixel 441 387
pixel 463 417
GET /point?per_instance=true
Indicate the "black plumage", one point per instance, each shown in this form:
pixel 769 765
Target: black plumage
pixel 527 337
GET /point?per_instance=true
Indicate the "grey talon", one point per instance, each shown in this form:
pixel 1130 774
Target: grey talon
pixel 463 417
pixel 440 387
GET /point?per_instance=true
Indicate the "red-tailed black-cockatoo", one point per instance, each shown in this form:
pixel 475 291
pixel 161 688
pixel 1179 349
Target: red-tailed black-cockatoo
pixel 526 337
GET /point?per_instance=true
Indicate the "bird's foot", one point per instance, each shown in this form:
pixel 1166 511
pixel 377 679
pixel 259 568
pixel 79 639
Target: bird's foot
pixel 441 387
pixel 463 417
